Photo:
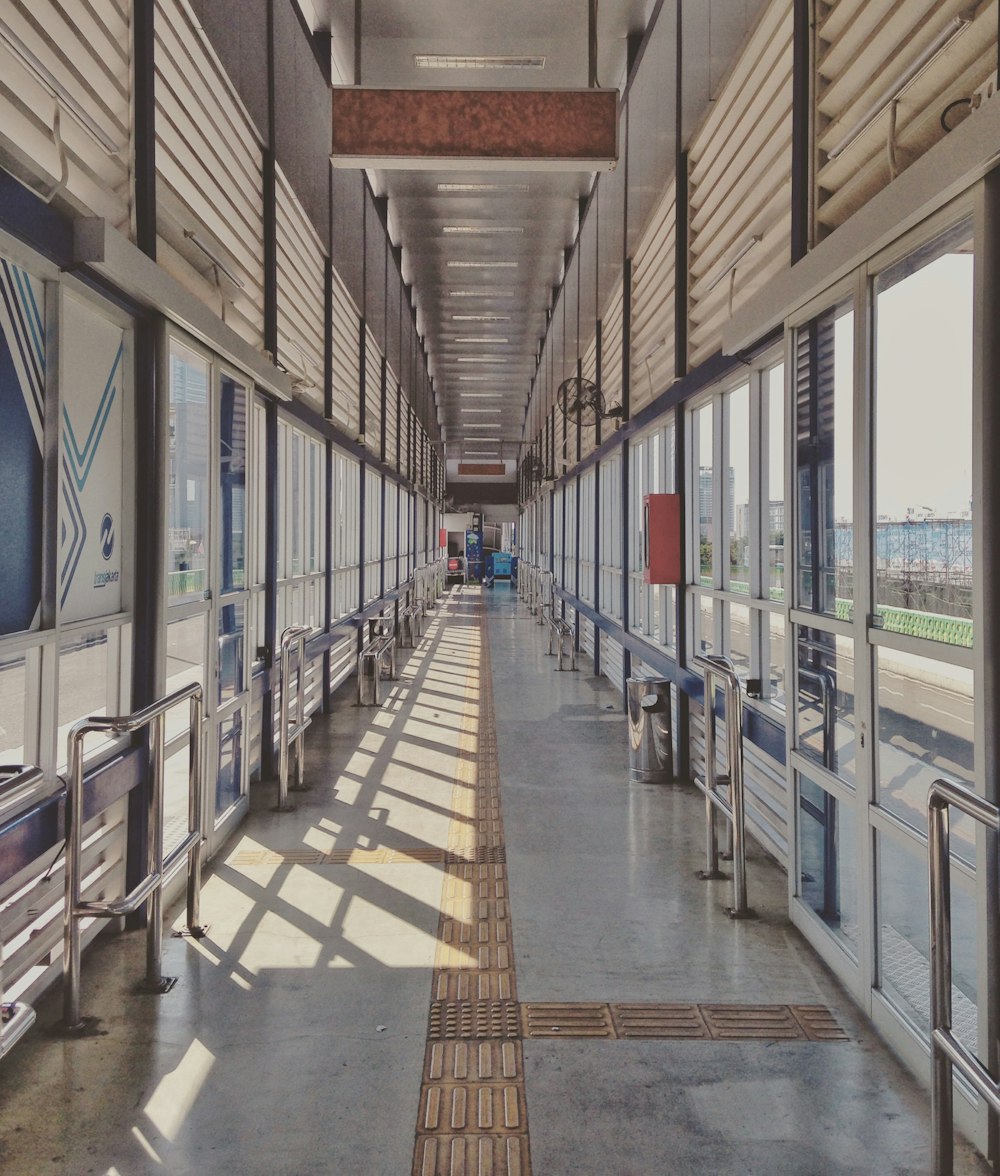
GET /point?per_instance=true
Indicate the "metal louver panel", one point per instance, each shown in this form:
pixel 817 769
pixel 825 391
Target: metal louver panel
pixel 866 50
pixel 652 323
pixel 740 182
pixel 611 347
pixel 210 218
pixel 588 438
pixel 612 663
pixel 301 268
pixel 346 367
pixel 373 394
pixel 32 904
pixel 74 60
pixel 394 405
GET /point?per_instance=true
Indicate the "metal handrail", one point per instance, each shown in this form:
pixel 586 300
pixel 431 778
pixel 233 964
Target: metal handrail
pixel 158 867
pixel 20 786
pixel 292 734
pixel 946 1050
pixel 546 582
pixel 732 808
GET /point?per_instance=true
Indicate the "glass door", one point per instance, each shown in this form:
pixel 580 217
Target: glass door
pixel 882 626
pixel 207 591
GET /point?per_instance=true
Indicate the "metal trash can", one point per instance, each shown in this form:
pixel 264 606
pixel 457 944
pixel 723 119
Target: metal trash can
pixel 650 731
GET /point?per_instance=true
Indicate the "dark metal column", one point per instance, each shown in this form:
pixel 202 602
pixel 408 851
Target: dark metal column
pixel 144 160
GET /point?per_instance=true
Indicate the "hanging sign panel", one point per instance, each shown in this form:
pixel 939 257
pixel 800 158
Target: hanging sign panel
pixel 90 483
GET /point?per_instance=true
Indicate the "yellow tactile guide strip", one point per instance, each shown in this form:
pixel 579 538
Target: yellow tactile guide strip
pixel 473 1117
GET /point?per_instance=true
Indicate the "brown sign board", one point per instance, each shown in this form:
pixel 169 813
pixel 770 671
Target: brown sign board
pixel 432 128
pixel 481 469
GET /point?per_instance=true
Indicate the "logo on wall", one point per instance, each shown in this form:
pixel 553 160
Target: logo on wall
pixel 107 536
pixel 78 463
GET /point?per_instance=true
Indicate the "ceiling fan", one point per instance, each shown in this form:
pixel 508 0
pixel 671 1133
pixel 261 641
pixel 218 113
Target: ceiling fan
pixel 581 400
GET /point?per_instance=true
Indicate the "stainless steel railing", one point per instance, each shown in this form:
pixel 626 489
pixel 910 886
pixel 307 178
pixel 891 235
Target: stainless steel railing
pixel 732 807
pixel 158 867
pixel 546 580
pixel 947 1052
pixel 291 732
pixel 561 632
pixel 21 786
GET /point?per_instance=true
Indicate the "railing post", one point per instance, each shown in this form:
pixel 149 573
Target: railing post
pixel 154 861
pixel 942 1095
pixel 71 925
pixel 711 870
pixel 196 809
pixel 734 726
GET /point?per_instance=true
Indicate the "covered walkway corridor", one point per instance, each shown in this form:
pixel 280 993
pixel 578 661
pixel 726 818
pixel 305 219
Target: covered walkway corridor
pixel 472 948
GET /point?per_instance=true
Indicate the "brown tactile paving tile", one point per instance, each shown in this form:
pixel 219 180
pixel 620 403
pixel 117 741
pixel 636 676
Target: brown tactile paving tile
pixel 473 1082
pixel 752 1022
pixel 680 1021
pixel 469 984
pixel 477 1061
pixel 567 1019
pixel 471 1107
pixel 819 1023
pixel 474 1018
pixel 505 1155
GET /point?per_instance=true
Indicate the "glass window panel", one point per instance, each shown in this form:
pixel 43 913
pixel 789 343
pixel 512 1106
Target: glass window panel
pixel 232 484
pixel 773 401
pixel 294 489
pixel 705 497
pixel 774 684
pixel 13 702
pixel 232 621
pixel 824 390
pixel 737 490
pixel 739 638
pixel 229 782
pixel 176 785
pixel 705 621
pixel 83 686
pixel 828 860
pixel 903 939
pixel 187 507
pixel 923 462
pixel 825 726
pixel 926 729
pixel 260 482
pixel 185 664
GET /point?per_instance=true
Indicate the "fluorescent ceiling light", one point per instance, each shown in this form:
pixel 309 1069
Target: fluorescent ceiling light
pixel 481 188
pixel 938 45
pixel 213 257
pixel 499 293
pixel 481 230
pixel 62 95
pixel 481 453
pixel 481 359
pixel 479 395
pixel 475 379
pixel 479 425
pixel 481 318
pixel 480 339
pixel 733 262
pixel 482 61
pixel 491 411
pixel 482 264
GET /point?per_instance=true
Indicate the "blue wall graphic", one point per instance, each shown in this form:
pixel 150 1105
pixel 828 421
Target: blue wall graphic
pixel 22 392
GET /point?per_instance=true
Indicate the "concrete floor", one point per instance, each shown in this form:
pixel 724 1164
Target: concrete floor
pixel 294 1040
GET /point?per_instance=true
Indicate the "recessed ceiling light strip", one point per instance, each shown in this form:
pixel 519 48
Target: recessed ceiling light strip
pixel 480 61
